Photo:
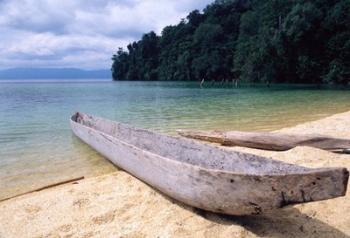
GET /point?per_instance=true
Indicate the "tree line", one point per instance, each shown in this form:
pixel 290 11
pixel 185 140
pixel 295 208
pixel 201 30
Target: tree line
pixel 272 41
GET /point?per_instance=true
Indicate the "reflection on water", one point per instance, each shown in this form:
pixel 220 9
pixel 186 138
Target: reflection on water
pixel 37 146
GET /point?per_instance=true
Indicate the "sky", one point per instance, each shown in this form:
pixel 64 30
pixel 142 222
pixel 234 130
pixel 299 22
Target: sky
pixel 80 33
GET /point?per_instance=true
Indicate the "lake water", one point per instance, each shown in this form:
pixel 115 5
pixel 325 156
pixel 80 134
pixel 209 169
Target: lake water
pixel 37 147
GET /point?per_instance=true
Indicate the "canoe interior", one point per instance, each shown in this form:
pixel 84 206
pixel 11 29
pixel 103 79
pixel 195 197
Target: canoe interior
pixel 190 151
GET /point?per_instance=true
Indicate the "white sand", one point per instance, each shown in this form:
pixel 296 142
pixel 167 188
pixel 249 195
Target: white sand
pixel 118 205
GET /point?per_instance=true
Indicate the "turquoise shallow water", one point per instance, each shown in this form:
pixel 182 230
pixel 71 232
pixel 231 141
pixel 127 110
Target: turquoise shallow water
pixel 37 146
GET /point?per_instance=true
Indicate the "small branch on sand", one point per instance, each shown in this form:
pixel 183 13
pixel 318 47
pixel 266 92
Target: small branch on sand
pixel 45 187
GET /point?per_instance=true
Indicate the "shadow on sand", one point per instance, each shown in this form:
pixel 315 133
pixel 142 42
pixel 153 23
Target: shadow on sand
pixel 279 224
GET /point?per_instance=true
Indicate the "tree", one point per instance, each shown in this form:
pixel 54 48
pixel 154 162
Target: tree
pixel 281 41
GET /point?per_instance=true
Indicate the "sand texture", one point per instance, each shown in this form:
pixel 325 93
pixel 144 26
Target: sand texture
pixel 118 205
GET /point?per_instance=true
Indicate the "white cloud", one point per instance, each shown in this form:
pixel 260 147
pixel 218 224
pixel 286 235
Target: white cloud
pixel 80 33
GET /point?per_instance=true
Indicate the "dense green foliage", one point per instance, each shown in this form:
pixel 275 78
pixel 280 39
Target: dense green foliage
pixel 272 41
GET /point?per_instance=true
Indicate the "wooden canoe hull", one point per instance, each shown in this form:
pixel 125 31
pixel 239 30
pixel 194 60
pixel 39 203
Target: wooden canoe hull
pixel 213 190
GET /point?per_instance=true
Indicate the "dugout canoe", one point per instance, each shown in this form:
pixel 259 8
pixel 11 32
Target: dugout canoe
pixel 206 176
pixel 269 140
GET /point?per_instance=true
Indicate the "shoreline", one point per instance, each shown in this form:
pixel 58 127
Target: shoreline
pixel 119 205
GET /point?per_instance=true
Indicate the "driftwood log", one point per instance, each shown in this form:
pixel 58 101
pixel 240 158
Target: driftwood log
pixel 268 140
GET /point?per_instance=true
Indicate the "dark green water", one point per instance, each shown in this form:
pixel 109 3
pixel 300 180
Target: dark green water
pixel 37 146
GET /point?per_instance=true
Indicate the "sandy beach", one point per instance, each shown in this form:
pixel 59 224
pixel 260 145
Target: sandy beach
pixel 119 205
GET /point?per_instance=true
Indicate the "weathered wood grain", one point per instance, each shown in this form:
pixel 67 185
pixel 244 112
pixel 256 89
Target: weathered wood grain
pixel 268 140
pixel 206 176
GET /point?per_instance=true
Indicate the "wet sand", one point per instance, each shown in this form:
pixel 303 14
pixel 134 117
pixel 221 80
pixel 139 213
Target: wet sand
pixel 118 205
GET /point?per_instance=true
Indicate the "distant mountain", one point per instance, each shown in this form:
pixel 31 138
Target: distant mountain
pixel 53 73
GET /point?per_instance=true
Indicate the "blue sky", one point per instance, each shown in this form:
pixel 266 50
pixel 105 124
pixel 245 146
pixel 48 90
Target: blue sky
pixel 80 33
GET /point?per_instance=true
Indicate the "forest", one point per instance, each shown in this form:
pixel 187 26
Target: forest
pixel 253 41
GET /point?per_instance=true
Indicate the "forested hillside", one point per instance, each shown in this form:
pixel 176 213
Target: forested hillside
pixel 272 41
